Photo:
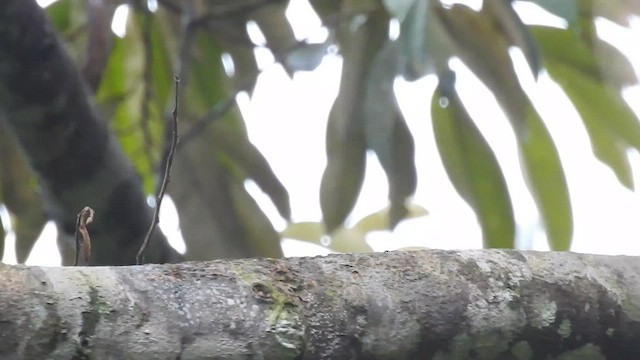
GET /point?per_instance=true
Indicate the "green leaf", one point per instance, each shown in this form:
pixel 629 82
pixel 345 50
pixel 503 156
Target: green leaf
pixel 615 67
pixel 309 231
pixel 387 132
pixel 344 174
pixel 508 21
pixel 566 9
pixel 485 50
pixel 473 168
pixel 379 220
pixel 546 180
pixel 346 143
pixel 609 121
pixel 612 126
pixel 602 62
pixel 424 45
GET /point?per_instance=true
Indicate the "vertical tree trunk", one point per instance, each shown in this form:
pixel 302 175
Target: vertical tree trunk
pixel 77 159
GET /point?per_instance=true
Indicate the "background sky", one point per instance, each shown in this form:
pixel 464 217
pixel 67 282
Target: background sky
pixel 286 120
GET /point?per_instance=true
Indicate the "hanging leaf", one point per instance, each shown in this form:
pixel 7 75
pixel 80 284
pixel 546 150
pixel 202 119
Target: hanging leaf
pixel 615 67
pixel 387 132
pixel 424 46
pixel 415 47
pixel 344 174
pixel 604 63
pixel 612 126
pixel 472 168
pixel 610 123
pixel 507 20
pixel 546 180
pixel 346 143
pixel 484 48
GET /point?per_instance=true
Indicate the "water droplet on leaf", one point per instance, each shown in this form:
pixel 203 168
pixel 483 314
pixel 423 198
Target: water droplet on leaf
pixel 325 240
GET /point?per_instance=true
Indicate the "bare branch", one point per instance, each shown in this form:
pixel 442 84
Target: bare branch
pixel 165 180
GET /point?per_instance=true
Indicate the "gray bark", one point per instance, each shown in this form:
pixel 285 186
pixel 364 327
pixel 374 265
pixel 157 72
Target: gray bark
pixel 483 304
pixel 77 159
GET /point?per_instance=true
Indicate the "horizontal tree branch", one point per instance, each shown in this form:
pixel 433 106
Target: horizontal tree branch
pixel 484 304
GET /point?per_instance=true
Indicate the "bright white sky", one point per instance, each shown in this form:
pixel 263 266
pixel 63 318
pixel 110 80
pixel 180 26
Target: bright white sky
pixel 294 118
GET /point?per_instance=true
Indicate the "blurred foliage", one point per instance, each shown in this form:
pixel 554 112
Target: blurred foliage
pixel 131 78
pixel 348 239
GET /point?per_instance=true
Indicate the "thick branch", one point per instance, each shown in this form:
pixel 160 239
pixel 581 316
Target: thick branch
pixel 403 305
pixel 76 157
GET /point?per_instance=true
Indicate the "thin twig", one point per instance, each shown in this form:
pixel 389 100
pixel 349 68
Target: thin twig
pixel 165 180
pixel 215 113
pixel 85 217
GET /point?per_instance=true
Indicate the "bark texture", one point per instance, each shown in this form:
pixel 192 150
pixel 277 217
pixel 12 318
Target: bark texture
pixel 481 304
pixel 76 157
